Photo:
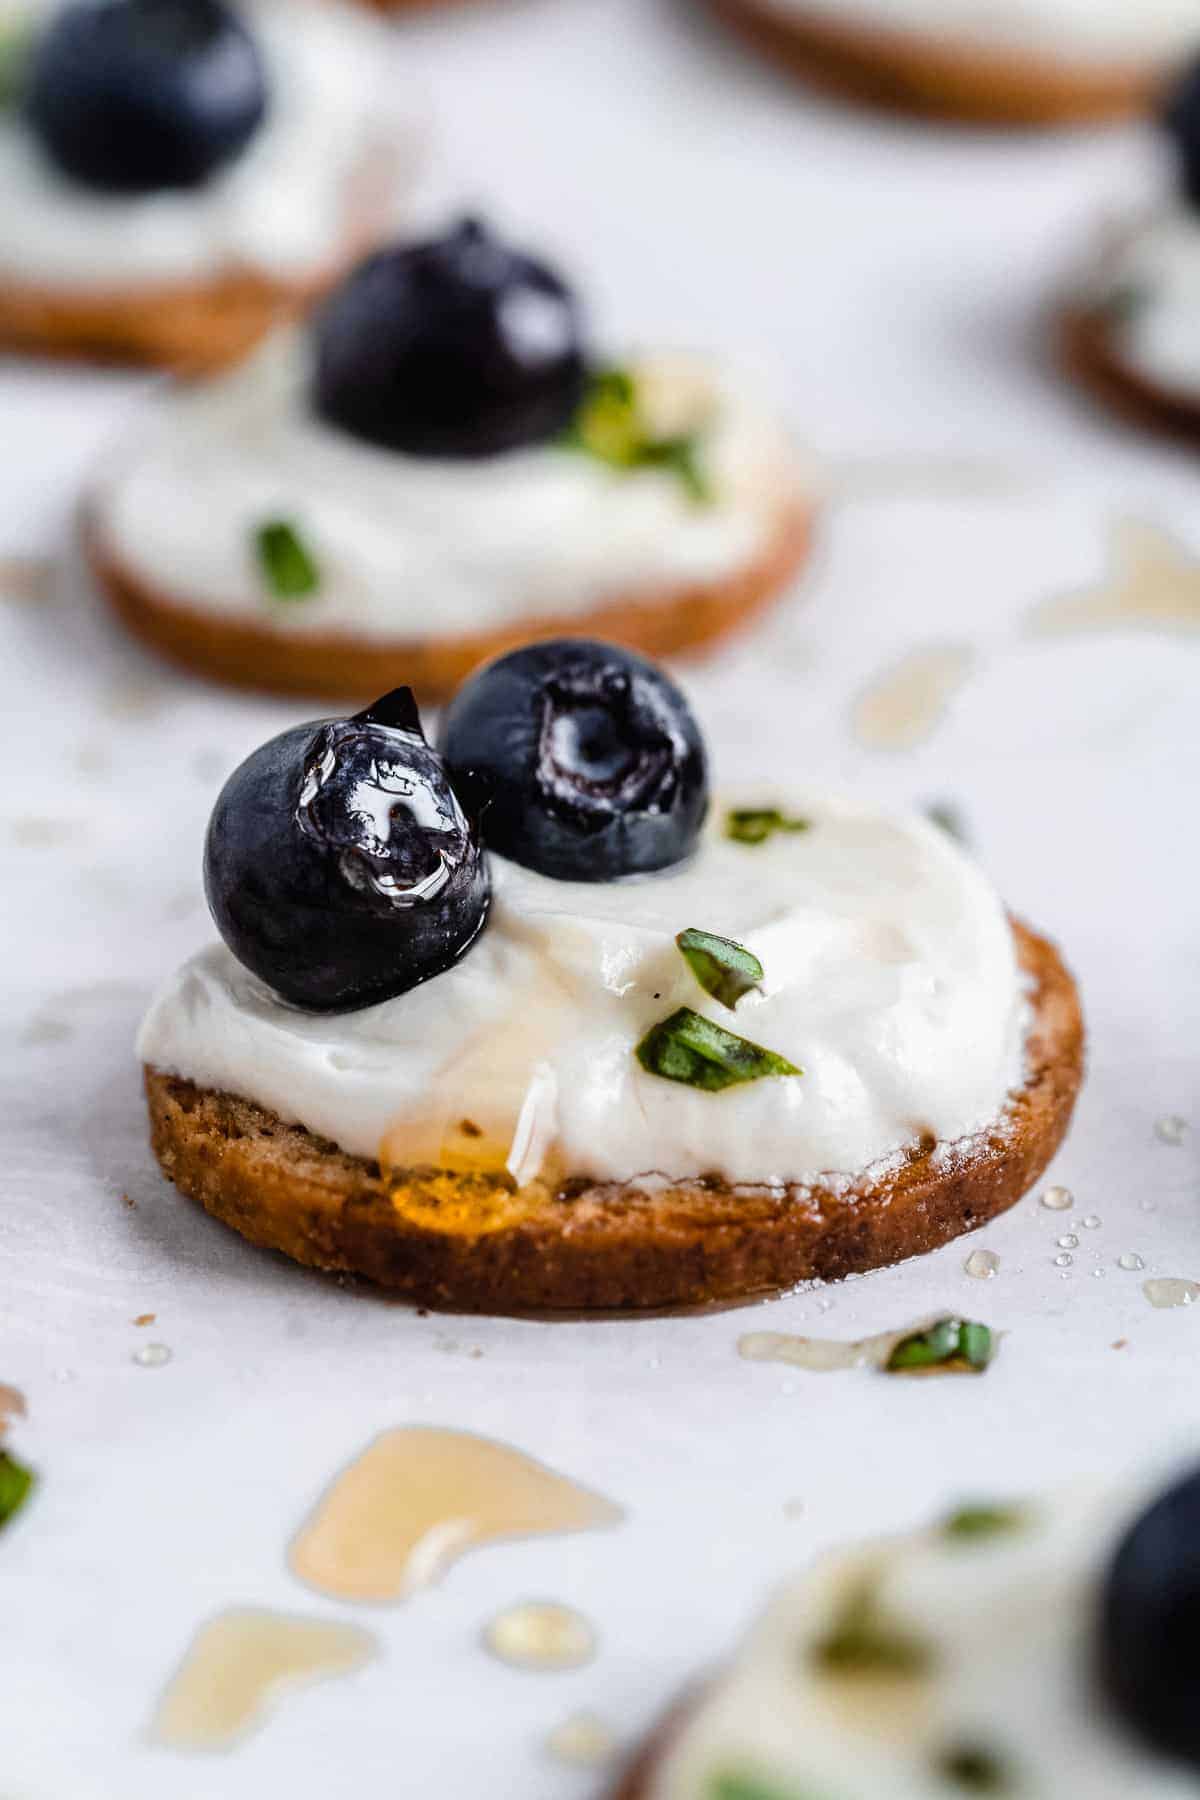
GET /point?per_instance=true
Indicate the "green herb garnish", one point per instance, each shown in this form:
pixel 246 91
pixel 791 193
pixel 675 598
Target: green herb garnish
pixel 862 1641
pixel 754 825
pixel 952 1344
pixel 948 818
pixel 609 426
pixel 16 1484
pixel 738 1784
pixel 978 1770
pixel 1122 304
pixel 724 969
pixel 285 560
pixel 984 1521
pixel 16 42
pixel 692 1049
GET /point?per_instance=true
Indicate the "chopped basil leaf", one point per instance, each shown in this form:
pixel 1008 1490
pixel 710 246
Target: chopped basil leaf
pixel 1122 304
pixel 285 560
pixel 692 1049
pixel 956 1344
pixel 16 41
pixel 738 1784
pixel 754 825
pixel 984 1521
pixel 608 426
pixel 978 1770
pixel 724 969
pixel 16 1484
pixel 949 819
pixel 862 1641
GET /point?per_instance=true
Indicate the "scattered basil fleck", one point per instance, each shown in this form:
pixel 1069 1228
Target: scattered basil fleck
pixel 984 1521
pixel 692 1049
pixel 738 1784
pixel 16 41
pixel 754 825
pixel 1122 303
pixel 861 1641
pixel 16 1484
pixel 609 427
pixel 949 818
pixel 724 969
pixel 952 1344
pixel 978 1770
pixel 285 560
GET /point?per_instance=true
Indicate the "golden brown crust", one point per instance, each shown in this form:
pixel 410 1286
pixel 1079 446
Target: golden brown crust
pixel 637 1777
pixel 904 71
pixel 661 623
pixel 1088 350
pixel 594 1247
pixel 195 326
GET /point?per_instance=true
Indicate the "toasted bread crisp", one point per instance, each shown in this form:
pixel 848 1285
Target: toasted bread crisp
pixel 193 327
pixel 344 667
pixel 904 71
pixel 590 1246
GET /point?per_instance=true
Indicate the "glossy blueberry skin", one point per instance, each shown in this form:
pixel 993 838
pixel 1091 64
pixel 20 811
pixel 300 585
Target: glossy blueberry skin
pixel 1181 120
pixel 455 347
pixel 340 867
pixel 1150 1624
pixel 135 96
pixel 581 760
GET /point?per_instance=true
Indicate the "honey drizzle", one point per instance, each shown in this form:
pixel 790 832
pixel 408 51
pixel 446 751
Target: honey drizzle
pixel 418 1498
pixel 243 1661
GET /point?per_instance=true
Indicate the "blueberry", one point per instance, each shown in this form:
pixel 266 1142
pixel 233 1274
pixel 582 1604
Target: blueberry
pixel 340 866
pixel 1181 117
pixel 1150 1624
pixel 456 347
pixel 132 96
pixel 582 760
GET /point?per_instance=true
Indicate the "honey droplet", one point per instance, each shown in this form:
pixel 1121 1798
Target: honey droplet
pixel 1092 1222
pixel 152 1356
pixel 982 1264
pixel 240 1663
pixel 1063 1260
pixel 541 1634
pixel 1130 1262
pixel 1068 1242
pixel 904 702
pixel 1165 1291
pixel 1058 1199
pixel 582 1739
pixel 418 1498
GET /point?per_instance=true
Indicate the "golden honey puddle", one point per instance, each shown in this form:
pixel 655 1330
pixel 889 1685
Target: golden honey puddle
pixel 541 1634
pixel 821 1355
pixel 584 1740
pixel 241 1663
pixel 1153 584
pixel 904 703
pixel 418 1498
pixel 1169 1290
pixel 28 580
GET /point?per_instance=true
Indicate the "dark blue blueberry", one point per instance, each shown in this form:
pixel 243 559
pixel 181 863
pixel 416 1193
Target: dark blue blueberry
pixel 582 761
pixel 1181 117
pixel 1150 1624
pixel 133 96
pixel 456 347
pixel 340 866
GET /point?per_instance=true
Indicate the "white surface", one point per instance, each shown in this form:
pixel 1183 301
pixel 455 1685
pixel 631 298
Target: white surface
pixel 894 279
